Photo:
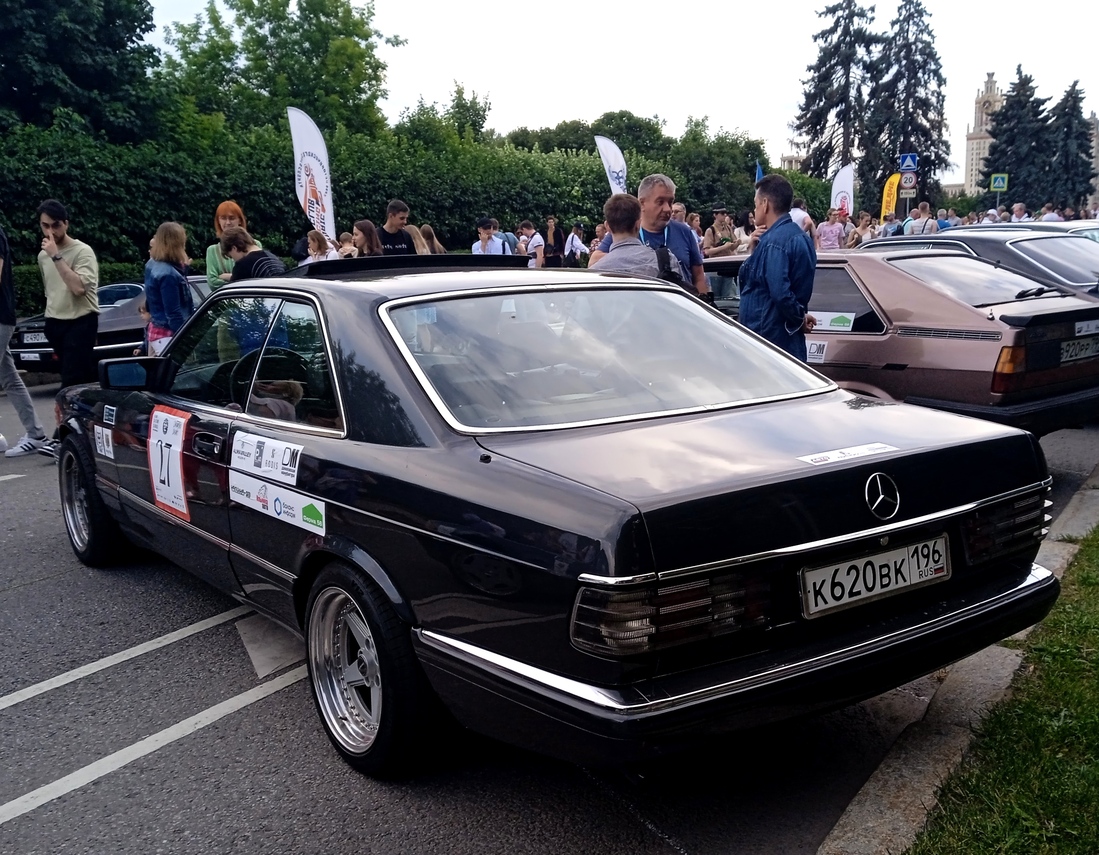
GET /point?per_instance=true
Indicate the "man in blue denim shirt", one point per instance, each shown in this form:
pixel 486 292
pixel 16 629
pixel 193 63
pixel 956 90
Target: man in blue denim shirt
pixel 776 281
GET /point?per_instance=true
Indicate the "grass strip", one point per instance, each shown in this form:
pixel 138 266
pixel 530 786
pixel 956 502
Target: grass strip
pixel 1030 784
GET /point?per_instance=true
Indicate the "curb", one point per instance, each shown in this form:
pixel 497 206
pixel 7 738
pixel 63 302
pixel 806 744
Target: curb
pixel 893 805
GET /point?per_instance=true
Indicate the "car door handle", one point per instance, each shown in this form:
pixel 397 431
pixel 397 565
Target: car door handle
pixel 207 445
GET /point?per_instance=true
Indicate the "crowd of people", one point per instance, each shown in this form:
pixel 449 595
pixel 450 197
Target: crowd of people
pixel 649 234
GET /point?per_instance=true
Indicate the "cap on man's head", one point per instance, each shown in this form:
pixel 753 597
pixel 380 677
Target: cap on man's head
pixel 719 208
pixel 992 212
pixel 484 223
pixel 578 225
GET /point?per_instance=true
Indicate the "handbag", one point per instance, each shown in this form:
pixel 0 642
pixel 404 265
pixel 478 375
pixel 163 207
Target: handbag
pixel 571 259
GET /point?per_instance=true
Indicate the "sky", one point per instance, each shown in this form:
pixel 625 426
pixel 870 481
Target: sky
pixel 740 65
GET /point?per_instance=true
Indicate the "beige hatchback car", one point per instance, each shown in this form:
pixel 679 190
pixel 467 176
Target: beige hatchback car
pixel 953 332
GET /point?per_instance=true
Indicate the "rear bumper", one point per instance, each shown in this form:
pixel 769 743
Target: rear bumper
pixel 583 723
pixel 1041 416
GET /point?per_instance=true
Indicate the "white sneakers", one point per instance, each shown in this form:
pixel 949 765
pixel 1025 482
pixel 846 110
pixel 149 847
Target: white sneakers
pixel 27 445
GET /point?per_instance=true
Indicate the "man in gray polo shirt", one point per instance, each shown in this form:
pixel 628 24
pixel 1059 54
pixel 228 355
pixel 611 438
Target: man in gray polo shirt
pixel 627 254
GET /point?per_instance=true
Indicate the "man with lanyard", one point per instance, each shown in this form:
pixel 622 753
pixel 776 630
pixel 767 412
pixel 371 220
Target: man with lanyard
pixel 656 193
pixel 776 281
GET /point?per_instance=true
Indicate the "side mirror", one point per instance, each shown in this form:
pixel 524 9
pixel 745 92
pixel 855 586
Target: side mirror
pixel 131 374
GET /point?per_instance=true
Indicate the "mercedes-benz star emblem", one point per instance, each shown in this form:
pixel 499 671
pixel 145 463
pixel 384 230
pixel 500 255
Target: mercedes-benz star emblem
pixel 882 496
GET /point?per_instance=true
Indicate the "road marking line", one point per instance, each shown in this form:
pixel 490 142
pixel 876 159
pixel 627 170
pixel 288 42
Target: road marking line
pixel 113 762
pixel 11 477
pixel 122 656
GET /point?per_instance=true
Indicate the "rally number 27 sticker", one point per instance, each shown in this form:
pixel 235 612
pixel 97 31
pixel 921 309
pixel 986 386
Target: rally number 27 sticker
pixel 167 428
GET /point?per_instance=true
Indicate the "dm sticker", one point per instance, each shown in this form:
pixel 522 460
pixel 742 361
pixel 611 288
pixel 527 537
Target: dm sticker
pixel 850 453
pixel 109 415
pixel 815 351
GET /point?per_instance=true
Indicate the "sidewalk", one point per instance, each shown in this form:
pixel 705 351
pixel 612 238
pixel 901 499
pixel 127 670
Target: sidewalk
pixel 892 807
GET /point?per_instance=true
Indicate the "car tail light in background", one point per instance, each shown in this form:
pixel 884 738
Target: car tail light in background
pixel 1010 370
pixel 622 623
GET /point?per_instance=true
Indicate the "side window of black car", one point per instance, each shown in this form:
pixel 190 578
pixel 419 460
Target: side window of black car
pixel 293 381
pixel 839 304
pixel 216 355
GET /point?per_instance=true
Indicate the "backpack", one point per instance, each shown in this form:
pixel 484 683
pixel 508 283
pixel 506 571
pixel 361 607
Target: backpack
pixel 670 270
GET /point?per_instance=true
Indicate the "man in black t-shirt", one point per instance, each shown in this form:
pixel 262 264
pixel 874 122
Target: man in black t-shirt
pixel 395 240
pixel 249 261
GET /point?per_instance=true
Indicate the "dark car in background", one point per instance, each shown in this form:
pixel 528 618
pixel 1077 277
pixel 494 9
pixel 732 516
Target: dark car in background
pixel 1086 228
pixel 1066 260
pixel 121 328
pixel 589 514
pixel 944 330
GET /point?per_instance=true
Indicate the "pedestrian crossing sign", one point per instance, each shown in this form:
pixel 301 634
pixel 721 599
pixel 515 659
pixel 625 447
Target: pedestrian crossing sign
pixel 909 162
pixel 999 182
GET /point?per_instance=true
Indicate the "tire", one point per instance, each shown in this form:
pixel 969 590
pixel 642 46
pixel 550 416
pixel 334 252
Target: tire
pixel 372 697
pixel 93 533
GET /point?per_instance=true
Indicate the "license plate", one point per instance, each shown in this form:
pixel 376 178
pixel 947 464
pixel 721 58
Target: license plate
pixel 34 338
pixel 1079 348
pixel 30 357
pixel 851 583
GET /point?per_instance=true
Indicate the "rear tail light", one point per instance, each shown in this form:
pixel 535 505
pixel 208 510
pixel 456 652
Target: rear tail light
pixel 622 623
pixel 1005 527
pixel 1010 370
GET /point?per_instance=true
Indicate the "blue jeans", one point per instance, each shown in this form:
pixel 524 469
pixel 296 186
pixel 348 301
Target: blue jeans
pixel 12 383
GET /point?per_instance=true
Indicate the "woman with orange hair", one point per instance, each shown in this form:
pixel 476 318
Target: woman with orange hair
pixel 219 267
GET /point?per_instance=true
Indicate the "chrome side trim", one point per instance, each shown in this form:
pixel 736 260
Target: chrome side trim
pixel 798 548
pixel 120 346
pixel 273 569
pixel 142 505
pixel 564 689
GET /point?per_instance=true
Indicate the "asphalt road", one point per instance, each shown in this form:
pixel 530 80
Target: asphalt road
pixel 185 748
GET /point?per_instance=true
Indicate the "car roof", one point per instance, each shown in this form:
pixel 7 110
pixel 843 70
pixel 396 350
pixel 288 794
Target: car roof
pixel 1069 226
pixel 972 234
pixel 411 281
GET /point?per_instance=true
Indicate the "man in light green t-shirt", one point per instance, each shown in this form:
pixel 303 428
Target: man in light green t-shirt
pixel 70 275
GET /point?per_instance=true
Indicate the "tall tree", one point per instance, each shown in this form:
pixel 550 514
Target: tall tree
pixel 468 114
pixel 1020 143
pixel 829 121
pixel 629 131
pixel 905 111
pixel 319 55
pixel 86 56
pixel 1071 174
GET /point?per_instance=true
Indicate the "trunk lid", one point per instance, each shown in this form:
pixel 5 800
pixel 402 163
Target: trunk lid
pixel 752 479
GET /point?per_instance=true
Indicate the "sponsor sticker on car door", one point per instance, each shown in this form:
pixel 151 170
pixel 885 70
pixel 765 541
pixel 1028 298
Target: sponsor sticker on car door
pixel 282 504
pixel 167 428
pixel 269 458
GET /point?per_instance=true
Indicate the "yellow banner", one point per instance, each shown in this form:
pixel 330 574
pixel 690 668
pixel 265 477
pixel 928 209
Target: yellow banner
pixel 889 195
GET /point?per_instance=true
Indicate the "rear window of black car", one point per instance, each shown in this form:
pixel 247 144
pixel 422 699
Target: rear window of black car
pixel 1072 259
pixel 970 280
pixel 554 358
